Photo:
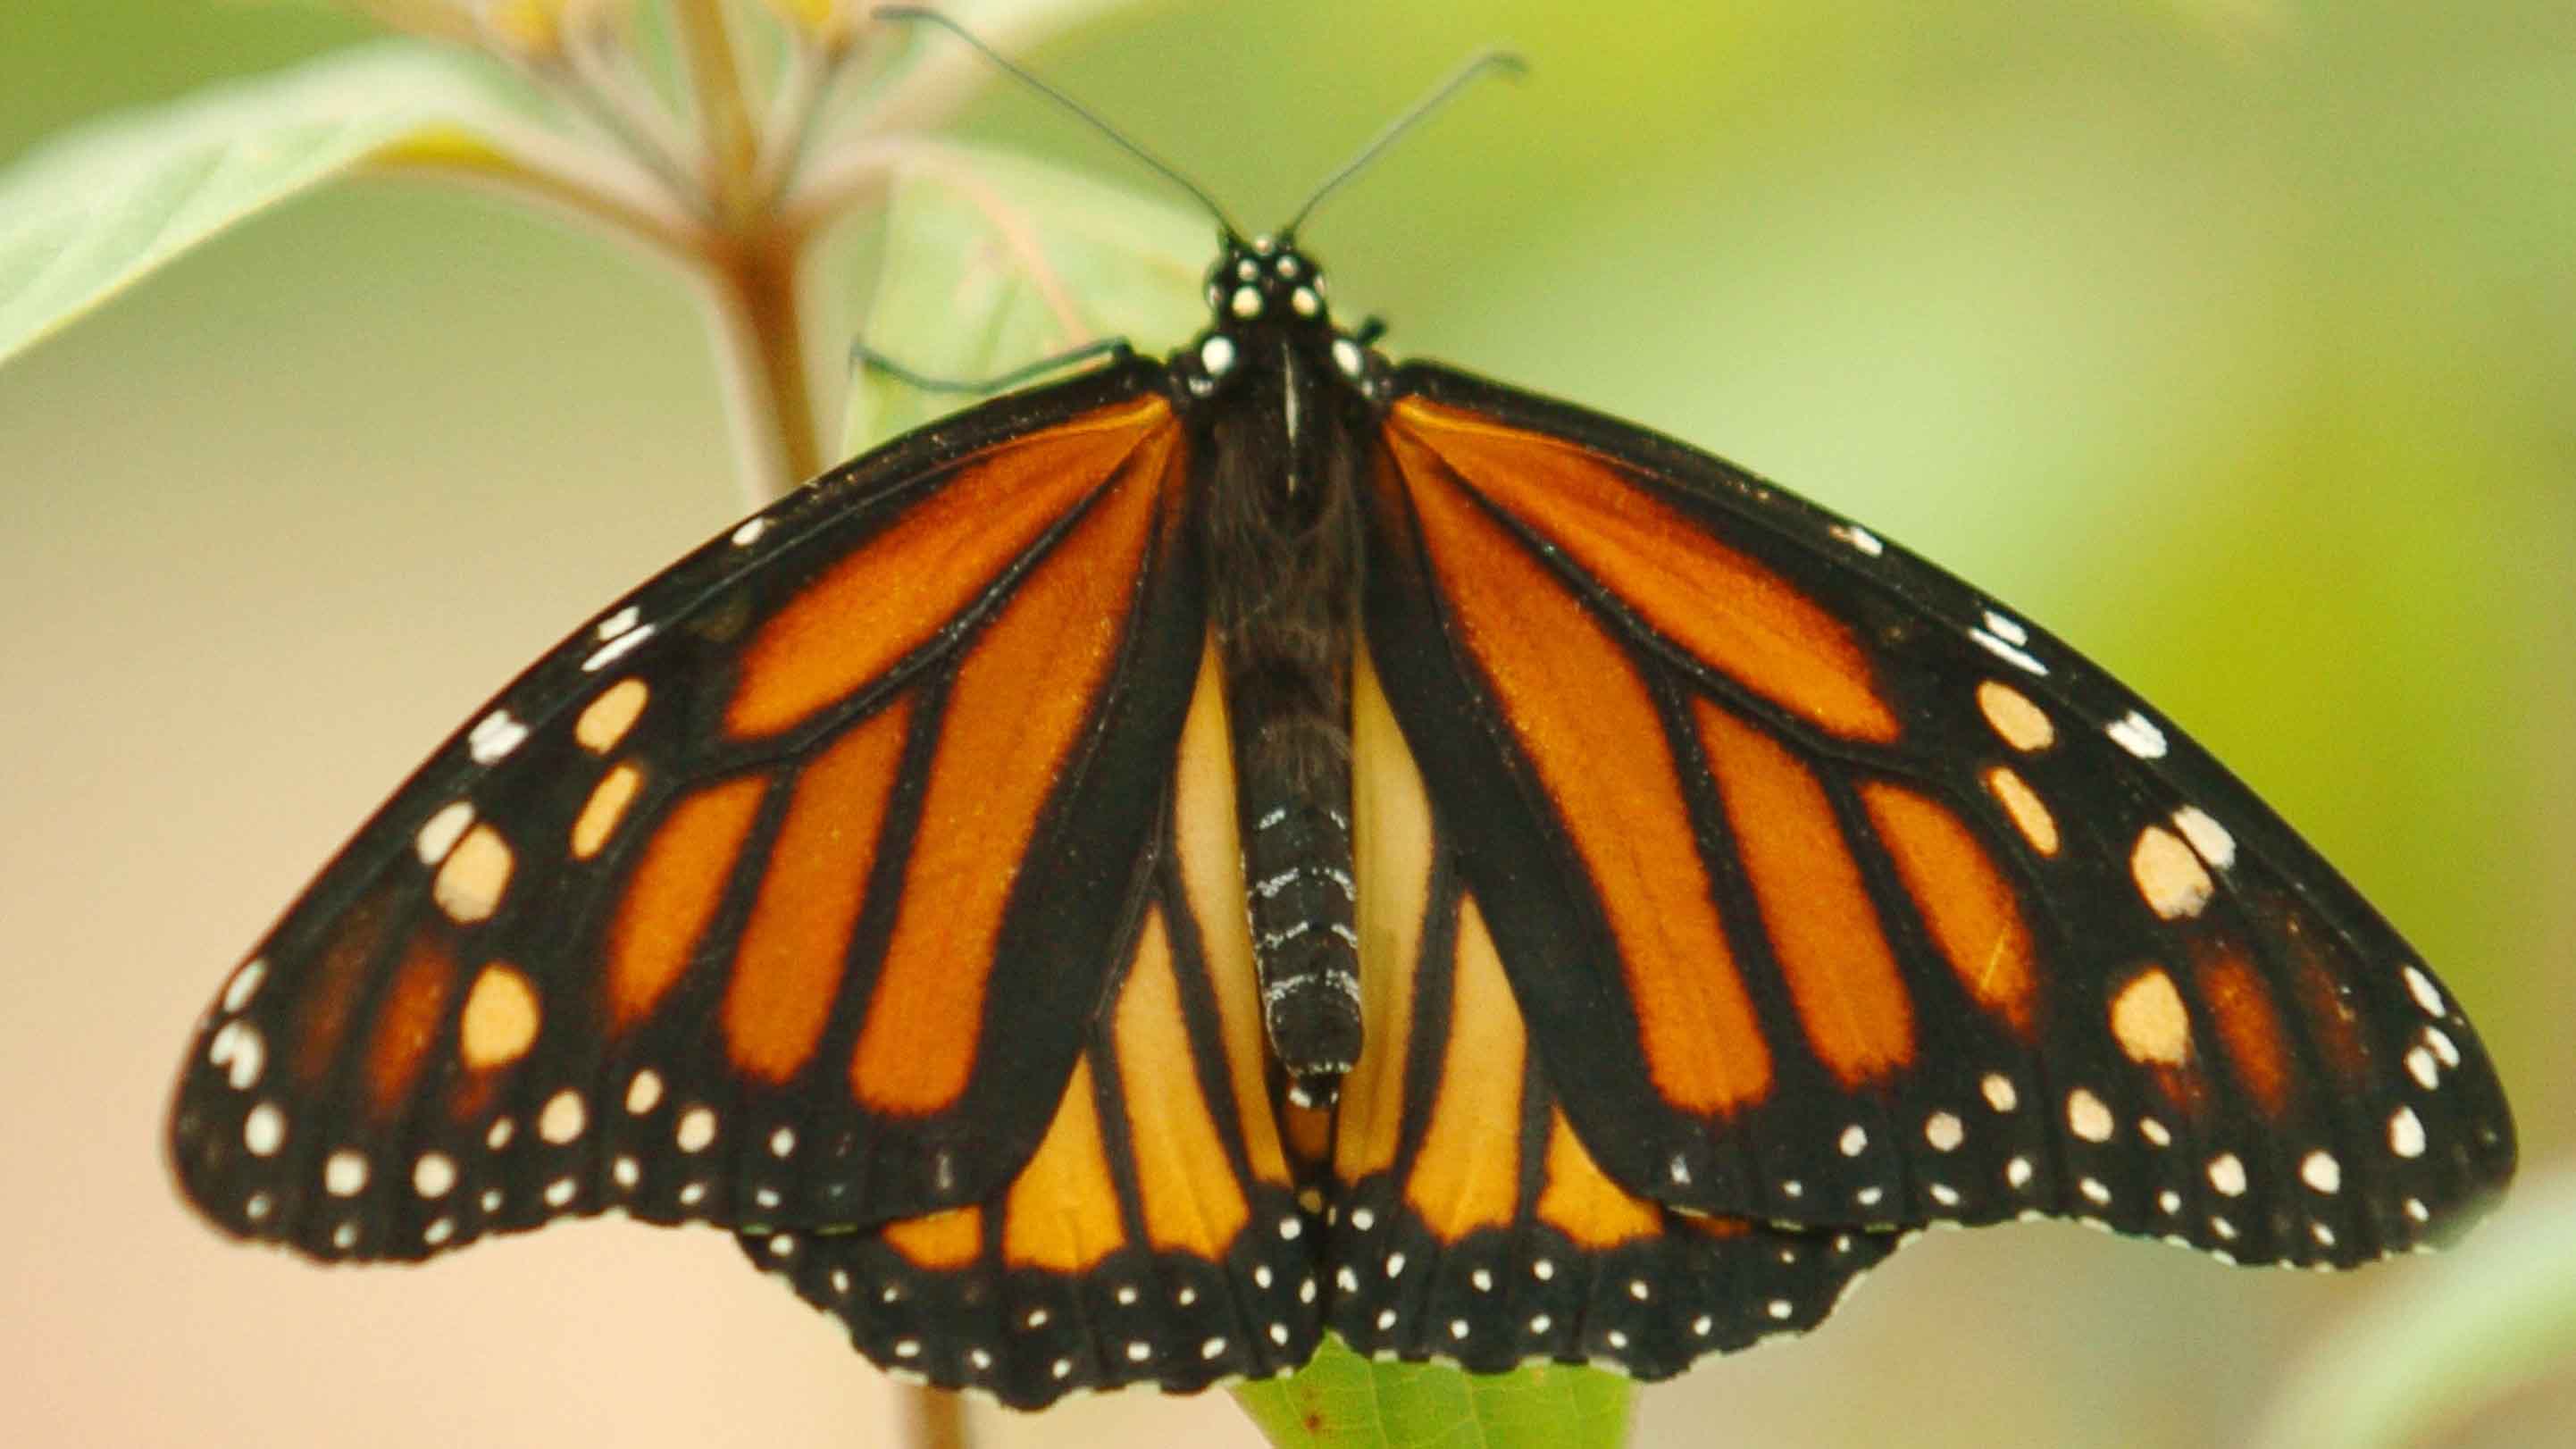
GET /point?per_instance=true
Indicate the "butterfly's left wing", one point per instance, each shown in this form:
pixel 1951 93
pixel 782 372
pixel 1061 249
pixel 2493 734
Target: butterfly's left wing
pixel 781 896
pixel 1834 894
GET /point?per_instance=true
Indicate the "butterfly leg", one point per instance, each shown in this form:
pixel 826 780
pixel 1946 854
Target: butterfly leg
pixel 1113 348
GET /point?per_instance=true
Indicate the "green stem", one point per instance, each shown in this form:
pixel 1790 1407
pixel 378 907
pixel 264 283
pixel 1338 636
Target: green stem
pixel 752 263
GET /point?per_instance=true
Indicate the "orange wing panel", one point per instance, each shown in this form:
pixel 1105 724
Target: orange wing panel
pixel 2322 1004
pixel 408 1022
pixel 1582 1201
pixel 333 995
pixel 1841 972
pixel 1467 1174
pixel 1391 850
pixel 1731 612
pixel 1582 714
pixel 1968 905
pixel 795 948
pixel 1062 1213
pixel 941 1240
pixel 1192 1201
pixel 1017 711
pixel 1211 869
pixel 2249 1026
pixel 889 597
pixel 673 893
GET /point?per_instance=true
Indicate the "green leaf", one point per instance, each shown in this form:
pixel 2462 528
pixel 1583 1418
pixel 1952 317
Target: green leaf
pixel 90 213
pixel 1343 1401
pixel 988 261
pixel 2487 1321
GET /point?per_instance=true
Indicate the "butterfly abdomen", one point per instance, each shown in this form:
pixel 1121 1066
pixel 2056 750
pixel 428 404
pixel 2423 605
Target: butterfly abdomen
pixel 1283 591
pixel 1299 893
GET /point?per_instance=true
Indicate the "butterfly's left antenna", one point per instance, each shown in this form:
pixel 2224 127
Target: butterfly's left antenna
pixel 1089 116
pixel 1478 66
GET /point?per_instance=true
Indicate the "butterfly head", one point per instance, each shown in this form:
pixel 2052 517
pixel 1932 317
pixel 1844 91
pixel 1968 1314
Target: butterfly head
pixel 1265 295
pixel 1266 280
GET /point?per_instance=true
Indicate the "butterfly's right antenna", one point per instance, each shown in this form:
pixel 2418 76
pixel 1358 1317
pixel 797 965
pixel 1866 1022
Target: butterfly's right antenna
pixel 1482 64
pixel 1088 116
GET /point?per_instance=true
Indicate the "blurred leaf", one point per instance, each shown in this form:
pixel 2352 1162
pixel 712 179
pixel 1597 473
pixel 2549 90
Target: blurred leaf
pixel 1344 1401
pixel 990 261
pixel 2498 1315
pixel 91 213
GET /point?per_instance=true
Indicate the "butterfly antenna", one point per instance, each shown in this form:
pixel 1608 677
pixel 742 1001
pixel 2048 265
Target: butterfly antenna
pixel 1087 115
pixel 1489 62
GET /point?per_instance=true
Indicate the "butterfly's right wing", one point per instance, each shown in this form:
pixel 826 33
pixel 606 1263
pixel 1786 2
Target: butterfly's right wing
pixel 1472 1224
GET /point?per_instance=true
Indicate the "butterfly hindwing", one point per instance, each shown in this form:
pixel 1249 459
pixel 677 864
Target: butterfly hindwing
pixel 1155 1234
pixel 1838 896
pixel 1472 1224
pixel 701 918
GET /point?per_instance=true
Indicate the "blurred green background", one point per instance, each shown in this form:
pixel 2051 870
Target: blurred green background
pixel 2234 340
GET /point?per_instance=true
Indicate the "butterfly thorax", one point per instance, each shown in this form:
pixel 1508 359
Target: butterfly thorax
pixel 1285 432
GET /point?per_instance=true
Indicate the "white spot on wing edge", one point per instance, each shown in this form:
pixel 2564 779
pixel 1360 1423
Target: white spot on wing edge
pixel 2206 836
pixel 2426 995
pixel 264 1130
pixel 2321 1172
pixel 749 532
pixel 564 1117
pixel 2010 653
pixel 2138 735
pixel 2006 628
pixel 619 622
pixel 245 983
pixel 434 1174
pixel 494 736
pixel 2087 1116
pixel 2227 1174
pixel 1859 538
pixel 616 649
pixel 344 1173
pixel 2406 1133
pixel 239 1050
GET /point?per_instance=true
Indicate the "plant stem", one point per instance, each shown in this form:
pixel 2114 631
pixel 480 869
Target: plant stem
pixel 754 294
pixel 934 1419
pixel 752 264
pixel 732 139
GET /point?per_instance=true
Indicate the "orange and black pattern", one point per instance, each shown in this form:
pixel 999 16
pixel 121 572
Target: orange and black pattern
pixel 1862 902
pixel 1732 895
pixel 783 894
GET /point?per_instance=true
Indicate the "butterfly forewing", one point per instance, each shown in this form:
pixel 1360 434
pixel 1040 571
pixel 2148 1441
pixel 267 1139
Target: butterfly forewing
pixel 1859 901
pixel 700 918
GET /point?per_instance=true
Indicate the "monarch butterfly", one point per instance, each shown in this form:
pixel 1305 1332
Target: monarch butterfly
pixel 1164 863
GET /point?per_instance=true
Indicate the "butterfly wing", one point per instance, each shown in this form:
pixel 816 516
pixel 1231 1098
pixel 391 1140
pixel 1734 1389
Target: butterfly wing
pixel 1835 895
pixel 1472 1223
pixel 784 895
pixel 1155 1236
